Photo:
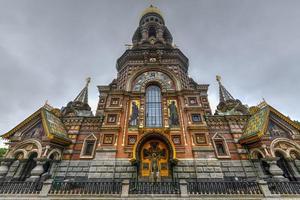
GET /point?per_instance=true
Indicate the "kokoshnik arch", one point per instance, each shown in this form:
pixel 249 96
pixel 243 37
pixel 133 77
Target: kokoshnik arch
pixel 153 122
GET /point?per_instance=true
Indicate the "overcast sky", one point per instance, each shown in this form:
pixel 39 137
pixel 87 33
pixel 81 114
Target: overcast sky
pixel 48 48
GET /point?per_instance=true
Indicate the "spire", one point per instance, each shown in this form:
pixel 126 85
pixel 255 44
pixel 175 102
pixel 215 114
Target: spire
pixel 80 106
pixel 223 93
pixel 83 95
pixel 229 105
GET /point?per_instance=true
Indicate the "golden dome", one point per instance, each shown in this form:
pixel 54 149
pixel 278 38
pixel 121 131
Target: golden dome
pixel 151 9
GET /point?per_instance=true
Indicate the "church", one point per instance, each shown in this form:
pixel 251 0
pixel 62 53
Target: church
pixel 153 132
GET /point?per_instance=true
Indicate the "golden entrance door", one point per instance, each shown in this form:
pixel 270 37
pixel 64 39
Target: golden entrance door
pixel 154 158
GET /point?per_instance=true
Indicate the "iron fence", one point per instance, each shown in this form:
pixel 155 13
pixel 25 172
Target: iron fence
pixel 223 187
pixel 103 187
pixel 292 187
pixel 144 187
pixel 14 187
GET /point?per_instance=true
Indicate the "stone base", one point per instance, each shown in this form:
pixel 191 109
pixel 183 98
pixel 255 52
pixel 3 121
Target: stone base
pixel 186 169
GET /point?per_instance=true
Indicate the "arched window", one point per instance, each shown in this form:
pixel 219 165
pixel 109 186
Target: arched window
pixel 153 107
pixel 152 32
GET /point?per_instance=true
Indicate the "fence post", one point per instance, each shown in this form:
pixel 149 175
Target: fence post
pixel 46 187
pixel 183 188
pixel 125 188
pixel 263 185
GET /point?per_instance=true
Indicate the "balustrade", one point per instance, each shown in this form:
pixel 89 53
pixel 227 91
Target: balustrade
pixel 107 187
pixel 292 187
pixel 20 187
pixel 142 187
pixel 223 187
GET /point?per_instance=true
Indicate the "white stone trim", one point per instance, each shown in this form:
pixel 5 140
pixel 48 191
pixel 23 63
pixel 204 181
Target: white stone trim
pixel 224 144
pixel 283 140
pixel 29 141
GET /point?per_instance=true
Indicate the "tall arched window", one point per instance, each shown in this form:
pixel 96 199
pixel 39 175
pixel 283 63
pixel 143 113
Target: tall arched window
pixel 153 107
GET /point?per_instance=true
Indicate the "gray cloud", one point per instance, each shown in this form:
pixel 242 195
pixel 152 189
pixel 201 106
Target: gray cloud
pixel 48 48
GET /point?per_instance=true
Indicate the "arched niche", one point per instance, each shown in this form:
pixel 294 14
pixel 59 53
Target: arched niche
pixel 27 147
pixel 146 146
pixel 139 81
pixel 284 146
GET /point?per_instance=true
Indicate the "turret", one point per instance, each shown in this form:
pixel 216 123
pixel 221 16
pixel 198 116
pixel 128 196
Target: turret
pixel 79 106
pixel 228 105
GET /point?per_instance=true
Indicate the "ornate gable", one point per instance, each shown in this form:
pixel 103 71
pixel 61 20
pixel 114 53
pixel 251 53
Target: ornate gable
pixel 41 123
pixel 268 121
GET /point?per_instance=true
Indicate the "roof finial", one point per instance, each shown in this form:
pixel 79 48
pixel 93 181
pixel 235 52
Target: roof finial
pixel 83 95
pixel 223 93
pixel 218 77
pixel 88 80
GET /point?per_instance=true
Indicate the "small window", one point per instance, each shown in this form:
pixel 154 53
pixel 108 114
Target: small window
pixel 196 118
pixel 89 147
pixel 114 102
pixel 132 139
pixel 220 145
pixel 200 139
pixel 108 139
pixel 193 101
pixel 112 118
pixel 220 148
pixel 176 139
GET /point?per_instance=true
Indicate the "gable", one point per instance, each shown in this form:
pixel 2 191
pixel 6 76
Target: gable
pixel 267 120
pixel 32 130
pixel 42 122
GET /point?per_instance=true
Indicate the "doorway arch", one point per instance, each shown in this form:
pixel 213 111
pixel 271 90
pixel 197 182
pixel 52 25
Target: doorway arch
pixel 151 151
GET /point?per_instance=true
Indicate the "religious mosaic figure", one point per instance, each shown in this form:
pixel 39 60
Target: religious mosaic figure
pixel 134 115
pixel 154 153
pixel 174 119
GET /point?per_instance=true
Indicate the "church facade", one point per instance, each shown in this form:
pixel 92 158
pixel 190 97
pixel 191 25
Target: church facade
pixel 154 123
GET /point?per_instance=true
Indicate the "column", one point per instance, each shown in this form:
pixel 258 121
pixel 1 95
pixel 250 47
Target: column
pixel 4 167
pixel 276 171
pixel 291 163
pixel 258 168
pixel 19 169
pixel 38 170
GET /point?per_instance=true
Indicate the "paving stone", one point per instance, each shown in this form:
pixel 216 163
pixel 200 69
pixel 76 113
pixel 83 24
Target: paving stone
pixel 229 174
pixel 217 175
pixel 213 163
pixel 84 164
pixel 208 169
pixel 236 163
pixel 199 169
pixel 248 169
pixel 217 169
pixel 126 175
pixel 203 175
pixel 188 169
pixel 251 174
pixel 183 175
pixel 240 174
pixel 225 169
pixel 201 163
pixel 226 163
pixel 247 163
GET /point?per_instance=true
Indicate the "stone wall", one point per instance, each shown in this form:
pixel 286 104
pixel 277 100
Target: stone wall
pixel 186 169
pixel 215 169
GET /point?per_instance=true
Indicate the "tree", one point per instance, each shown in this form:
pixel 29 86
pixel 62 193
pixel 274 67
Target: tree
pixel 2 152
